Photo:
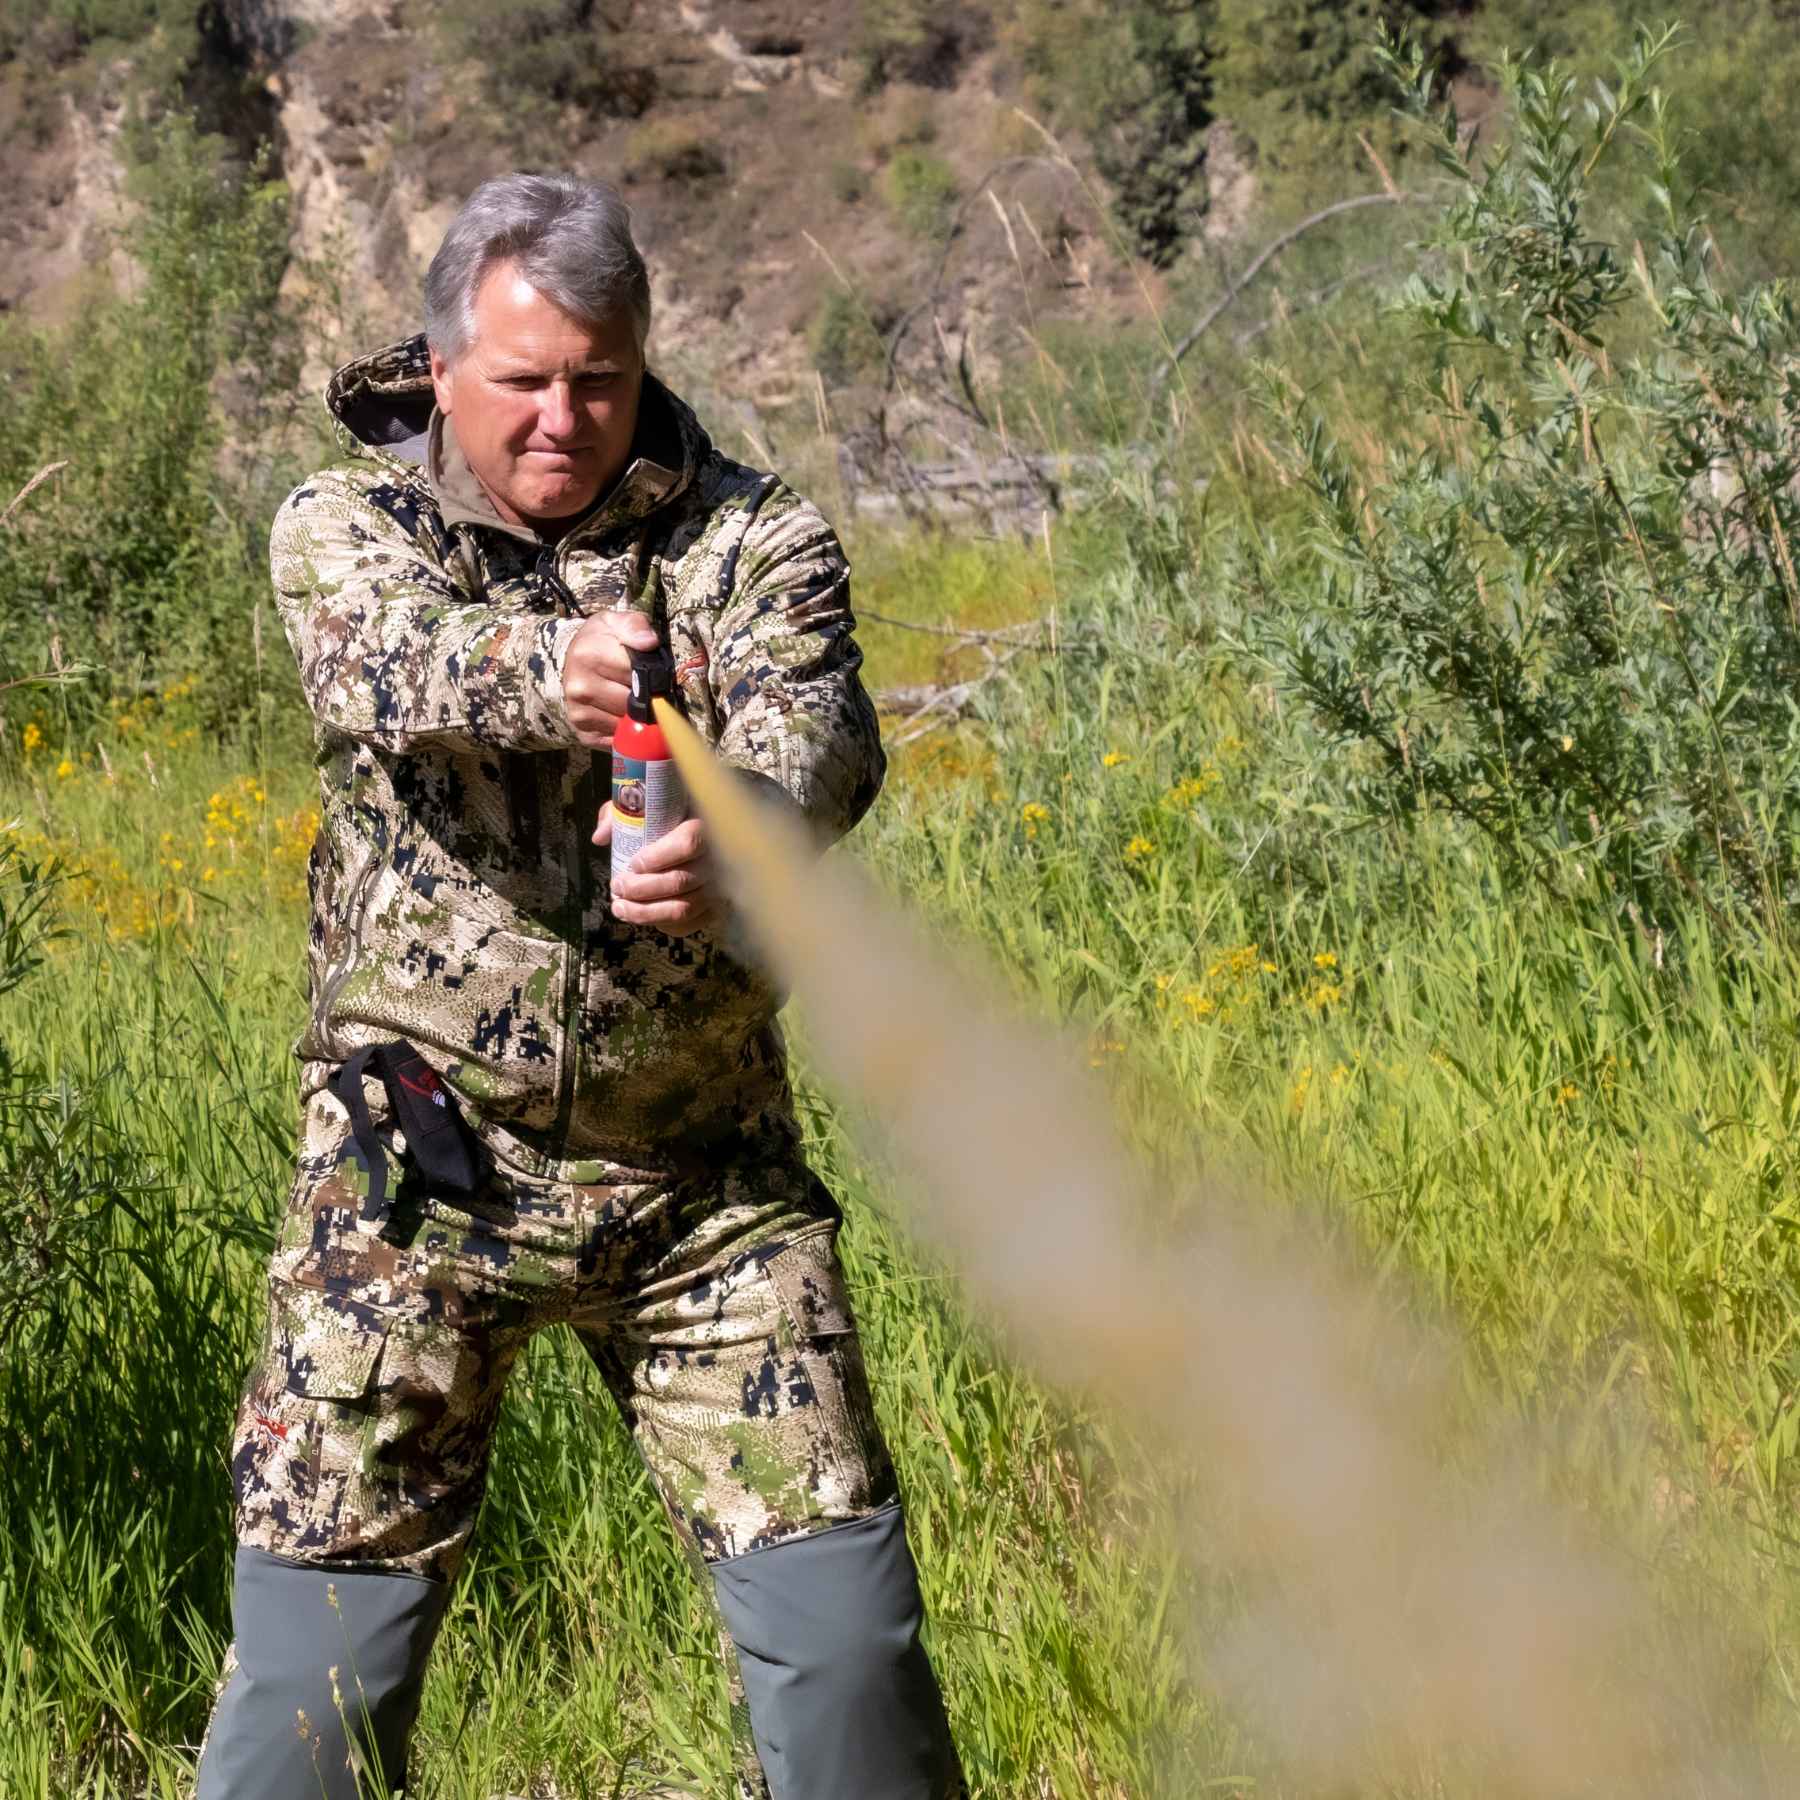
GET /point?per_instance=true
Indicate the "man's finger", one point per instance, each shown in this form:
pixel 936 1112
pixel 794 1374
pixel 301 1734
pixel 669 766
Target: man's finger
pixel 675 918
pixel 684 844
pixel 669 884
pixel 603 830
pixel 597 692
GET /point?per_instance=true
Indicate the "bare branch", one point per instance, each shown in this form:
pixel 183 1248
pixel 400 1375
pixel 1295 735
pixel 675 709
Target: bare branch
pixel 952 701
pixel 1005 634
pixel 1260 262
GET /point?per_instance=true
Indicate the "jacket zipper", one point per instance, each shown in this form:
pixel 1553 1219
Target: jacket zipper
pixel 354 914
pixel 578 874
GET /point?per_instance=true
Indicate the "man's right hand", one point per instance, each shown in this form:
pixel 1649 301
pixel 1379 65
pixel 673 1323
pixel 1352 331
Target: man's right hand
pixel 596 673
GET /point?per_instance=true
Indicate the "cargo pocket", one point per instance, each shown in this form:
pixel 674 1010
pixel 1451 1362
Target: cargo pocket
pixel 327 1347
pixel 306 1421
pixel 815 1305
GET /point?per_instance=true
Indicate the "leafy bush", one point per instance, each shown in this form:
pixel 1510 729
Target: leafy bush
pixel 844 342
pixel 1572 616
pixel 1136 81
pixel 922 191
pixel 848 183
pixel 570 52
pixel 912 40
pixel 672 150
pixel 145 552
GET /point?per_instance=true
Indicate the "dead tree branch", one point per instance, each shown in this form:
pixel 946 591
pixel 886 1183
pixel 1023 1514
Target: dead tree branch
pixel 952 701
pixel 1260 262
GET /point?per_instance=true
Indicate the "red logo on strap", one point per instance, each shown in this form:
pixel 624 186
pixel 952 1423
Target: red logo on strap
pixel 427 1084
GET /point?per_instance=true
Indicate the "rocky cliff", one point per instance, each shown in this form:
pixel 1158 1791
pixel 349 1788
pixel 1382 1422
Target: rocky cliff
pixel 793 212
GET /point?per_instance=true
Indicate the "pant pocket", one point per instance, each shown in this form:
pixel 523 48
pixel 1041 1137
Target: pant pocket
pixel 305 1422
pixel 814 1301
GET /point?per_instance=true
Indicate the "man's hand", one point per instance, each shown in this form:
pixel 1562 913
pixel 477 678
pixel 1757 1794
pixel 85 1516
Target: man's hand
pixel 596 674
pixel 670 884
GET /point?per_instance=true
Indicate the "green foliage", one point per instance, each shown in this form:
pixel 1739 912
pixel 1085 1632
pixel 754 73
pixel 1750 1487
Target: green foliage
pixel 1575 620
pixel 569 52
pixel 922 190
pixel 843 340
pixel 1137 80
pixel 673 149
pixel 916 41
pixel 145 551
pixel 1283 61
pixel 849 182
pixel 61 30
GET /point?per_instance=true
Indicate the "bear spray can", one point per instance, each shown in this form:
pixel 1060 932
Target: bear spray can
pixel 647 796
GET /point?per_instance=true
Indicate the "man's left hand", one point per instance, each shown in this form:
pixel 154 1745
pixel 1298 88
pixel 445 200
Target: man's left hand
pixel 671 884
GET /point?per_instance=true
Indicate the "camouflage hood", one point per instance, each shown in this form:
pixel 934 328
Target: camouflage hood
pixel 456 898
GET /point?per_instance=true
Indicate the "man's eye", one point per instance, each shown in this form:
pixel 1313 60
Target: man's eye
pixel 597 377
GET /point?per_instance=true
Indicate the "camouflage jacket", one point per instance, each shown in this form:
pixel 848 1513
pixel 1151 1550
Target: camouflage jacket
pixel 456 897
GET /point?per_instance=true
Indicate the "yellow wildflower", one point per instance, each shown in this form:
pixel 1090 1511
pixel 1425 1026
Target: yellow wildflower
pixel 1033 815
pixel 1139 848
pixel 1326 959
pixel 64 769
pixel 1185 793
pixel 1113 758
pixel 33 738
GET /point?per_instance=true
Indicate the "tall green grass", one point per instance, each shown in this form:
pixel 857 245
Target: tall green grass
pixel 1507 1111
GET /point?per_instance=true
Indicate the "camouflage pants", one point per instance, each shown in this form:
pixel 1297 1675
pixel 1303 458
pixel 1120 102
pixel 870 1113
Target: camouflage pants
pixel 714 1310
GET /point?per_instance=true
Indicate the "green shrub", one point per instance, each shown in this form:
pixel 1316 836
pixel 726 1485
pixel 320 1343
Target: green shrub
pixel 145 554
pixel 1572 617
pixel 922 191
pixel 569 52
pixel 848 183
pixel 672 150
pixel 913 40
pixel 843 340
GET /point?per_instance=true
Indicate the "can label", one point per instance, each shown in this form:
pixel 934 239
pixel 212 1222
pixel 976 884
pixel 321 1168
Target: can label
pixel 647 802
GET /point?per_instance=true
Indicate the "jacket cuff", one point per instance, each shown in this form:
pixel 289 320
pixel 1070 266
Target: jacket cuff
pixel 546 714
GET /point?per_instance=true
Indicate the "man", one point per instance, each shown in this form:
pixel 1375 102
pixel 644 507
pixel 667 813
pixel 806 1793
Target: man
pixel 522 505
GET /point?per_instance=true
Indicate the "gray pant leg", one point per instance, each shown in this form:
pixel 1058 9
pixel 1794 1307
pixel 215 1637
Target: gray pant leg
pixel 277 1733
pixel 842 1698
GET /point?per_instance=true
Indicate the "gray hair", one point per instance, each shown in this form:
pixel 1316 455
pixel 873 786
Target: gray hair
pixel 569 237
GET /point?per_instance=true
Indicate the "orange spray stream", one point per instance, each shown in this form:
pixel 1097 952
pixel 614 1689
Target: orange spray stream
pixel 1417 1619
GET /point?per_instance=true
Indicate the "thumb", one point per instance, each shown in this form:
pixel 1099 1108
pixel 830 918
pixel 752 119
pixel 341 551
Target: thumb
pixel 636 631
pixel 603 830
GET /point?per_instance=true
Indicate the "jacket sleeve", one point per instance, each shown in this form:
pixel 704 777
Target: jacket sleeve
pixel 783 669
pixel 391 651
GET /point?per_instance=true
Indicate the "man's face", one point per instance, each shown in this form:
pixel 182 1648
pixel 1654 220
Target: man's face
pixel 545 405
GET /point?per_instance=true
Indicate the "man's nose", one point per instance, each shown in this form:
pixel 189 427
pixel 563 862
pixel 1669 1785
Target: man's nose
pixel 556 410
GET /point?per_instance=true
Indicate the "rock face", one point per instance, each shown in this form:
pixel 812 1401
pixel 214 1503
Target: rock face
pixel 763 179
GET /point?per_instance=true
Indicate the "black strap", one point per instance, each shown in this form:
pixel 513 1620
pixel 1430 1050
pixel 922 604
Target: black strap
pixel 438 1139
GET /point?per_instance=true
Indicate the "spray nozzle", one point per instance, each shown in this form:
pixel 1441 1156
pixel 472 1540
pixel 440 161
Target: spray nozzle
pixel 652 675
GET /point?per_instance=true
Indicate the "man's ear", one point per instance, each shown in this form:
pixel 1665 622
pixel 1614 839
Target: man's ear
pixel 440 381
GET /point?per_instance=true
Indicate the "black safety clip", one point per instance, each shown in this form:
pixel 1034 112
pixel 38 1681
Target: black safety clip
pixel 438 1139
